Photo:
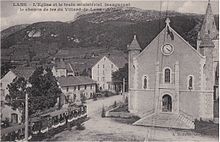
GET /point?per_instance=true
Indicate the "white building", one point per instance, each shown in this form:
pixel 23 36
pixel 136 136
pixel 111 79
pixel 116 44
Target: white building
pixel 24 72
pixel 14 116
pixel 75 86
pixel 102 70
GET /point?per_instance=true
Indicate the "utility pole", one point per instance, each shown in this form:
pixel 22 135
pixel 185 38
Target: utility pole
pixel 26 116
pixel 26 113
pixel 123 85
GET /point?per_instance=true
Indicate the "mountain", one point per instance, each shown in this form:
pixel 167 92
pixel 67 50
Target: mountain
pixel 6 32
pixel 101 31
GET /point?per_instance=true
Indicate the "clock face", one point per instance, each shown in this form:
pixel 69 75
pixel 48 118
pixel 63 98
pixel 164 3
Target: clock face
pixel 167 49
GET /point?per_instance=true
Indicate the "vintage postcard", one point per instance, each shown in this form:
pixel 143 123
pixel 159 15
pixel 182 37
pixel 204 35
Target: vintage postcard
pixel 92 70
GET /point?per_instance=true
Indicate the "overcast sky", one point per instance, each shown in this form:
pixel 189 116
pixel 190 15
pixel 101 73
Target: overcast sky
pixel 11 15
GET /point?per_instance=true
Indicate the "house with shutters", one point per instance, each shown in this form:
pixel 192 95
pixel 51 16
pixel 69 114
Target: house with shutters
pixel 171 83
pixel 73 87
pixel 102 71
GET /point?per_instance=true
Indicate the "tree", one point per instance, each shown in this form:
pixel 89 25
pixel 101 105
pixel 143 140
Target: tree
pixel 120 74
pixel 44 91
pixel 17 91
pixel 42 94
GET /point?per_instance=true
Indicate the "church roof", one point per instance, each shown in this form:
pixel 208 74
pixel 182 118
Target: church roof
pixel 207 41
pixel 208 25
pixel 169 35
pixel 134 45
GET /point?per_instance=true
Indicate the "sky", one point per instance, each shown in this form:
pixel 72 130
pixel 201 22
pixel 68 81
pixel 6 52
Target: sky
pixel 12 15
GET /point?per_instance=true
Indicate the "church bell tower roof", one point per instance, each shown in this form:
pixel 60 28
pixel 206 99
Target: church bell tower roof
pixel 206 42
pixel 208 25
pixel 134 45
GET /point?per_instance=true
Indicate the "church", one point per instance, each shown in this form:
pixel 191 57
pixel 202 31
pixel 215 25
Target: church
pixel 171 83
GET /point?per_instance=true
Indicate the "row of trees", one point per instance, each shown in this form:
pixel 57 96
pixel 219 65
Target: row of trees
pixel 43 91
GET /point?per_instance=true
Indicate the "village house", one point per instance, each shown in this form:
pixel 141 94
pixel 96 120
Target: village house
pixel 24 72
pixel 102 71
pixel 62 68
pixel 171 83
pixel 74 87
pixel 7 112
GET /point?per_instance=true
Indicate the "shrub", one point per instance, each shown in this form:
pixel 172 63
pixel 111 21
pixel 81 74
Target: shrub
pixel 103 112
pixel 80 126
pixel 115 104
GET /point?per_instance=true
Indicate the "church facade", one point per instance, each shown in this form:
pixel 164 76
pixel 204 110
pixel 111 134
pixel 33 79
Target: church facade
pixel 170 83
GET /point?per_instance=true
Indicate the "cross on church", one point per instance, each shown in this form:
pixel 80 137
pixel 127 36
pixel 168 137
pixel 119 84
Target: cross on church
pixel 167 22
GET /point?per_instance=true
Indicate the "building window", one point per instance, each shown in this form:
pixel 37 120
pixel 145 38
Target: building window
pixel 74 87
pixel 190 82
pixel 85 87
pixel 91 87
pixel 103 72
pixel 103 66
pixel 167 75
pixel 98 66
pixel 67 89
pixel 103 78
pixel 78 87
pixel 145 82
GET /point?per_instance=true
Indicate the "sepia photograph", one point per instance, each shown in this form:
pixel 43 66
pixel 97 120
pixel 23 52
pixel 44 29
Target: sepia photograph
pixel 109 70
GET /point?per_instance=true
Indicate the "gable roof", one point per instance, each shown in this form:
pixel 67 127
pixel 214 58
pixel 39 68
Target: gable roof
pixel 164 33
pixel 25 72
pixel 74 80
pixel 118 61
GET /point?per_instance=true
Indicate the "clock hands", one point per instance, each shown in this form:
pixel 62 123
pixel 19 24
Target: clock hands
pixel 168 49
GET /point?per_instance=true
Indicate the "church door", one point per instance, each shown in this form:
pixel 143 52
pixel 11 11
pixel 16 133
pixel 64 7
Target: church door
pixel 166 103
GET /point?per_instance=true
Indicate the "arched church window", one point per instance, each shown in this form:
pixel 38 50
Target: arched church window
pixel 145 82
pixel 167 75
pixel 190 82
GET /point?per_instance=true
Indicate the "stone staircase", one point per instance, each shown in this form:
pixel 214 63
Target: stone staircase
pixel 167 120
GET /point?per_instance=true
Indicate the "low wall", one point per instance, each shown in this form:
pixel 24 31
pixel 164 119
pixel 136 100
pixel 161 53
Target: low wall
pixel 111 113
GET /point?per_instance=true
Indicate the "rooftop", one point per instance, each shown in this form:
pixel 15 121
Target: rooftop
pixel 75 80
pixel 25 72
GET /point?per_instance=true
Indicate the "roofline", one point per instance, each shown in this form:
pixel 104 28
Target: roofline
pixel 18 75
pixel 197 52
pixel 178 36
pixel 100 59
pixel 150 43
pixel 77 84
